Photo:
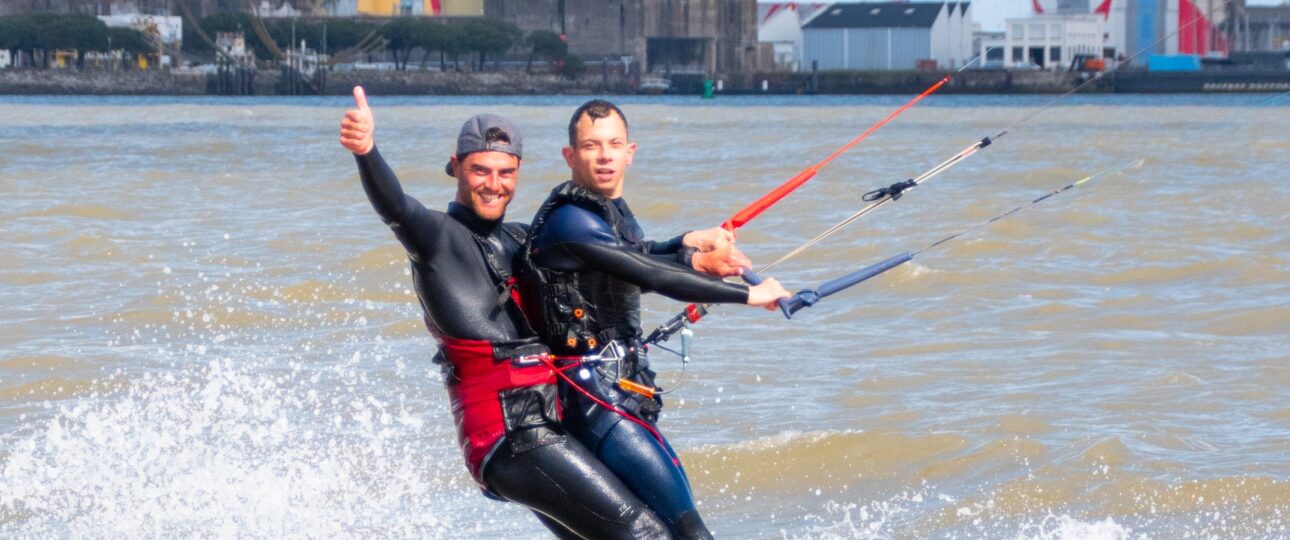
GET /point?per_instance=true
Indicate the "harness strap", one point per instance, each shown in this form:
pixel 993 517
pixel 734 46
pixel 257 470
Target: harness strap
pixel 560 372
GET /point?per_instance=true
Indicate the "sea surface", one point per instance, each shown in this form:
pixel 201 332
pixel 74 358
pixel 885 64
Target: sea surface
pixel 207 332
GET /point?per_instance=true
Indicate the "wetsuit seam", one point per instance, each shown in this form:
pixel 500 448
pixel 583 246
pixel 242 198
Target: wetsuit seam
pixel 568 495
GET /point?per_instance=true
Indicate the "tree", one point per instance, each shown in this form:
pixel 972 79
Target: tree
pixel 130 40
pixel 48 32
pixel 27 34
pixel 80 32
pixel 454 45
pixel 401 37
pixel 573 67
pixel 546 44
pixel 489 36
pixel 11 34
pixel 346 33
pixel 432 37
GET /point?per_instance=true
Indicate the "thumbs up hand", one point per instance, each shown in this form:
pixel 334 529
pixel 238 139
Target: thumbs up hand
pixel 357 126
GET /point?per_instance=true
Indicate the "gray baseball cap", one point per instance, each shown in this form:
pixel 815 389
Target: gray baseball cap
pixel 472 137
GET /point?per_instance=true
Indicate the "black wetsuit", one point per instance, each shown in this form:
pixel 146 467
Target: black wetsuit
pixel 456 258
pixel 588 262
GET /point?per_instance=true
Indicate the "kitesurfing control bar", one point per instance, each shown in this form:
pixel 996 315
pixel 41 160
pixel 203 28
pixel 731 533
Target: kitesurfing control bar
pixel 809 297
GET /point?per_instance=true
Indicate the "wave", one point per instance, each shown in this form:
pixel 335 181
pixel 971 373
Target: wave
pixel 90 211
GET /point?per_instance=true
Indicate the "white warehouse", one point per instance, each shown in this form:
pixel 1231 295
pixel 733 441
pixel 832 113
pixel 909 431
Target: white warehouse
pixel 889 35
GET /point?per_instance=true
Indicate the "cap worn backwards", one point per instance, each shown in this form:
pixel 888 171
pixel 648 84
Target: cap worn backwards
pixel 473 137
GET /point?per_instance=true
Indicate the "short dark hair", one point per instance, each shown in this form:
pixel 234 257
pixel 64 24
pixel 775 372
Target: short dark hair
pixel 595 110
pixel 492 135
pixel 495 134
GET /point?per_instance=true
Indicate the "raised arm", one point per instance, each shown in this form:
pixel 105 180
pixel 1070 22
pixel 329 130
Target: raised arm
pixel 410 220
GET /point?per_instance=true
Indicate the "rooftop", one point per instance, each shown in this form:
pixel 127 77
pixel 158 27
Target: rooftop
pixel 880 15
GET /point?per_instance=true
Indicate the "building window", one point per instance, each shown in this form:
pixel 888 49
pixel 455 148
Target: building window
pixel 1055 31
pixel 1018 30
pixel 1056 54
pixel 1018 55
pixel 1036 31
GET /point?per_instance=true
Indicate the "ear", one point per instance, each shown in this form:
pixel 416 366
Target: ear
pixel 456 166
pixel 631 152
pixel 567 152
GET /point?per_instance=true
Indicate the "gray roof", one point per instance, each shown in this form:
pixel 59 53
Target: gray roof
pixel 878 15
pixel 1269 14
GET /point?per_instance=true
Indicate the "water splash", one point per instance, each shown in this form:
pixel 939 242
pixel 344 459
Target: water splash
pixel 224 449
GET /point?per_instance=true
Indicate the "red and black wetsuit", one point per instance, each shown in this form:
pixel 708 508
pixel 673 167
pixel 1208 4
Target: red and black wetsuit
pixel 503 395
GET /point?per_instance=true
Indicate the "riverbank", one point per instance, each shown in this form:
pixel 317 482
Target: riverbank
pixel 272 82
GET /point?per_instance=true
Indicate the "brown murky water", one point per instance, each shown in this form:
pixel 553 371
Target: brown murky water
pixel 208 332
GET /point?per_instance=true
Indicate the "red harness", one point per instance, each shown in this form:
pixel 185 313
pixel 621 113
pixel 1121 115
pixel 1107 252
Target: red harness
pixel 479 376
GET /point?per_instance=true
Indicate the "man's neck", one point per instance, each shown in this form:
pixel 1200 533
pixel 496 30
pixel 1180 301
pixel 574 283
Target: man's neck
pixel 467 215
pixel 590 186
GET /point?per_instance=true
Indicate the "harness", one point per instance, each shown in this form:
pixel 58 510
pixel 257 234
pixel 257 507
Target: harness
pixel 498 388
pixel 555 301
pixel 602 364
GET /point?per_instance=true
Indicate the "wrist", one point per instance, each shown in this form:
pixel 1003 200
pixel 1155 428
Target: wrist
pixel 371 151
pixel 689 257
pixel 687 240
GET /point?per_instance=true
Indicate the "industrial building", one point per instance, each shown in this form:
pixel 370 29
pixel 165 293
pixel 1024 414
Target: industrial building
pixel 392 8
pixel 889 35
pixel 1128 27
pixel 657 36
pixel 780 27
pixel 1049 41
pixel 1261 28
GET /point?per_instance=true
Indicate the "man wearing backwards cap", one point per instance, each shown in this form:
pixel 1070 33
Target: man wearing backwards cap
pixel 503 393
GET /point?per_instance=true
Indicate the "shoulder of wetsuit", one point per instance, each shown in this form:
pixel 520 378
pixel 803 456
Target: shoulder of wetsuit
pixel 573 223
pixel 518 231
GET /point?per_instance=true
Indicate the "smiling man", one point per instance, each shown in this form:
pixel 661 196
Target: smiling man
pixel 582 274
pixel 497 373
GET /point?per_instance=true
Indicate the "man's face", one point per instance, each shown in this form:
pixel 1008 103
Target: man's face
pixel 600 154
pixel 486 182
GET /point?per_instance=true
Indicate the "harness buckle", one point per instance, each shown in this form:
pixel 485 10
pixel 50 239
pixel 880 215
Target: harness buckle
pixel 530 359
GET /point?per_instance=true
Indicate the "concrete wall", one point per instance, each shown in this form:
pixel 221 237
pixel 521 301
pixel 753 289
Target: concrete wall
pixel 451 83
pixel 158 82
pixel 605 28
pixel 529 15
pixel 908 82
pixel 614 28
pixel 72 82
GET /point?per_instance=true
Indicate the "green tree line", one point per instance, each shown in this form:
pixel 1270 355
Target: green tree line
pixel 448 42
pixel 420 39
pixel 31 34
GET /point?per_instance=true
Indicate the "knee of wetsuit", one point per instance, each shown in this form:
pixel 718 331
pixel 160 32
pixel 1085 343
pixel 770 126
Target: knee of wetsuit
pixel 690 526
pixel 647 524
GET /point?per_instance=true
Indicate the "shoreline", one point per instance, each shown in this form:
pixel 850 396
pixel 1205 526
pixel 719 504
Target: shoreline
pixel 430 83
